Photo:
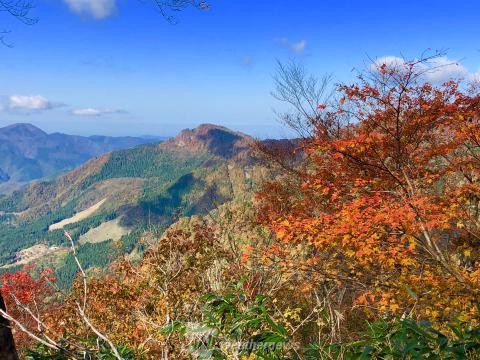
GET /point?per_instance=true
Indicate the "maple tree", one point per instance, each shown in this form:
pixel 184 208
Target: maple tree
pixel 386 204
pixel 7 342
pixel 27 298
pixel 35 309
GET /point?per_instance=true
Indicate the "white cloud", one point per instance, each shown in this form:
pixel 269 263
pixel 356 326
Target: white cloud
pixel 443 69
pixel 98 9
pixel 476 76
pixel 389 61
pixel 436 70
pixel 95 112
pixel 30 102
pixel 297 47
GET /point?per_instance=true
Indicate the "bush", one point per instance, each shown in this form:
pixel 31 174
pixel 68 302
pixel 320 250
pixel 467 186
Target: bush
pixel 406 339
pixel 100 352
pixel 234 324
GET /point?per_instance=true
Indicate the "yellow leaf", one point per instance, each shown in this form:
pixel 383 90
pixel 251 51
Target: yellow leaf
pixel 394 307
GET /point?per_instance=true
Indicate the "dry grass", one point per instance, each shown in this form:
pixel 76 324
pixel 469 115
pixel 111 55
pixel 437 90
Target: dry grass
pixel 77 217
pixel 111 230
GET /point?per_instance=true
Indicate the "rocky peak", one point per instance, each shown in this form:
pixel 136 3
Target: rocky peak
pixel 212 138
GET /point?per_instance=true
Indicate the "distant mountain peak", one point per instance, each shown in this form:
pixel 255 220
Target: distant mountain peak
pixel 22 129
pixel 28 153
pixel 216 139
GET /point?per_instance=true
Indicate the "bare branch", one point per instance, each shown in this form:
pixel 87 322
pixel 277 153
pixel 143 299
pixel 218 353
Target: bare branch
pixel 82 307
pixel 26 331
pixel 20 10
pixel 303 92
pixel 98 333
pixel 166 7
pixel 79 265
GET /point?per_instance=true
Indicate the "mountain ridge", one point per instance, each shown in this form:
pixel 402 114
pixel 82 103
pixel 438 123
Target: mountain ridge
pixel 28 153
pixel 128 191
pixel 216 139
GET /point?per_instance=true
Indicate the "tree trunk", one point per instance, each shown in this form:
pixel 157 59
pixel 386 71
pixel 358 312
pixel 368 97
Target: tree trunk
pixel 7 345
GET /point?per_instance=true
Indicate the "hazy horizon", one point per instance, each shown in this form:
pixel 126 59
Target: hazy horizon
pixel 286 134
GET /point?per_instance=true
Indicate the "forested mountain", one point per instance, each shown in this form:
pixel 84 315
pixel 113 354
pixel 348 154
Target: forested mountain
pixel 28 153
pixel 109 201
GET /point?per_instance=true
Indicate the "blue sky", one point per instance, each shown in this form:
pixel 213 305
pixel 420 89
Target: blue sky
pixel 116 67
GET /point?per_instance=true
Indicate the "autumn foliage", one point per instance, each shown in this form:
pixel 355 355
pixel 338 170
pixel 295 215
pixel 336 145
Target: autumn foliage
pixel 387 202
pixel 27 297
pixel 373 215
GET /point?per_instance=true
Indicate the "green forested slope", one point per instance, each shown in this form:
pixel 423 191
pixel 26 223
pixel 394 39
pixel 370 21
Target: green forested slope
pixel 145 187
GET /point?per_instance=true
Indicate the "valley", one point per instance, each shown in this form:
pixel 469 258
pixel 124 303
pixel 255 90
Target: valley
pixel 108 202
pixel 28 153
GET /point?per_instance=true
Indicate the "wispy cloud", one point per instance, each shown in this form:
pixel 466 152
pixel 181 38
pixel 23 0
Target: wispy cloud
pixel 443 69
pixel 246 61
pixel 297 47
pixel 437 70
pixel 476 76
pixel 389 61
pixel 29 103
pixel 97 9
pixel 96 112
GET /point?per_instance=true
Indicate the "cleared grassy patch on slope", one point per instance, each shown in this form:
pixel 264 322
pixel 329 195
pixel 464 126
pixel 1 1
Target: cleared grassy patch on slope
pixel 110 230
pixel 77 217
